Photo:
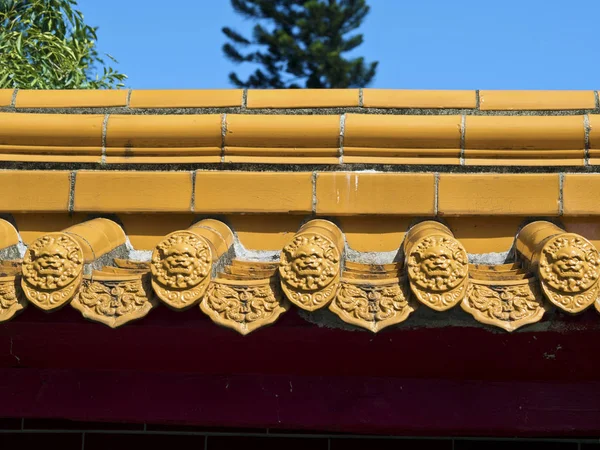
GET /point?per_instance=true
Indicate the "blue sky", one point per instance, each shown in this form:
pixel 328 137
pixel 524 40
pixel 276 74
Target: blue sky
pixel 420 44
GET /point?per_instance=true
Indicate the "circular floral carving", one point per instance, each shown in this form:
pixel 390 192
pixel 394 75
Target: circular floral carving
pixel 182 260
pixel 569 263
pixel 310 262
pixel 437 263
pixel 52 262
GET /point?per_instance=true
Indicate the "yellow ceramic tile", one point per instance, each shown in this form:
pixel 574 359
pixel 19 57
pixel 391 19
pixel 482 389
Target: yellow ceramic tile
pixel 533 158
pixel 524 132
pixel 201 98
pixel 375 193
pixel 8 234
pixel 413 156
pixel 281 156
pixel 273 135
pixel 400 98
pixel 253 192
pixel 97 237
pixel 374 234
pixel 254 232
pixel 485 234
pixel 588 227
pixel 594 123
pixel 536 100
pixel 34 190
pixel 72 98
pixel 129 191
pixel 581 194
pixel 145 231
pixel 401 132
pixel 7 155
pixel 32 226
pixel 6 96
pixel 77 134
pixel 163 156
pixel 113 231
pixel 301 98
pixel 147 135
pixel 498 194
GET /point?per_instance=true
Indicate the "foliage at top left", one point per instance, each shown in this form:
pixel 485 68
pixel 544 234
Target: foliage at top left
pixel 45 44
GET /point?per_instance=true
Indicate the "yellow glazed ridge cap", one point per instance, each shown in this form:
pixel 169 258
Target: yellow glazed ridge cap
pixel 485 100
pixel 304 136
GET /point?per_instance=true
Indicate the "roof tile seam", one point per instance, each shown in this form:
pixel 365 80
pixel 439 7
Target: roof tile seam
pixel 13 101
pixel 244 105
pixel 586 151
pixel 89 244
pixel 128 99
pixel 104 135
pixel 193 196
pixel 422 167
pixel 463 133
pixel 361 98
pixel 477 100
pixel 72 181
pixel 436 190
pixel 314 192
pixel 223 135
pixel 323 111
pixel 341 138
pixel 597 99
pixel 561 183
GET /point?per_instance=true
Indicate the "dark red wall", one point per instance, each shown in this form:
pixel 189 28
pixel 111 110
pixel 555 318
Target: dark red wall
pixel 181 368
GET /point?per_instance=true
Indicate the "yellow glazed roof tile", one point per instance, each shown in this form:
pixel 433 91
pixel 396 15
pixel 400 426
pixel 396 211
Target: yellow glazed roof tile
pixel 279 131
pixel 392 98
pixel 302 98
pixel 201 98
pixel 164 136
pixel 34 191
pixel 197 267
pixel 71 98
pixel 347 193
pixel 253 192
pixel 525 132
pixel 31 132
pixel 581 193
pixel 389 131
pixel 536 100
pixel 6 96
pixel 128 191
pixel 478 194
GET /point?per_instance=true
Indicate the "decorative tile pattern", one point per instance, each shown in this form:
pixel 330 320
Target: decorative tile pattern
pixel 113 301
pixel 508 305
pixel 244 306
pixel 181 266
pixel 52 270
pixel 309 270
pixel 372 304
pixel 437 268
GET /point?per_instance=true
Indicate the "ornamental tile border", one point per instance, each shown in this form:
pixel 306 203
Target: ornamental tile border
pixel 553 269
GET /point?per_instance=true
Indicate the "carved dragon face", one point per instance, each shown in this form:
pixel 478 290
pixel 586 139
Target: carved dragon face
pixel 310 262
pixel 182 260
pixel 569 264
pixel 52 262
pixel 437 263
